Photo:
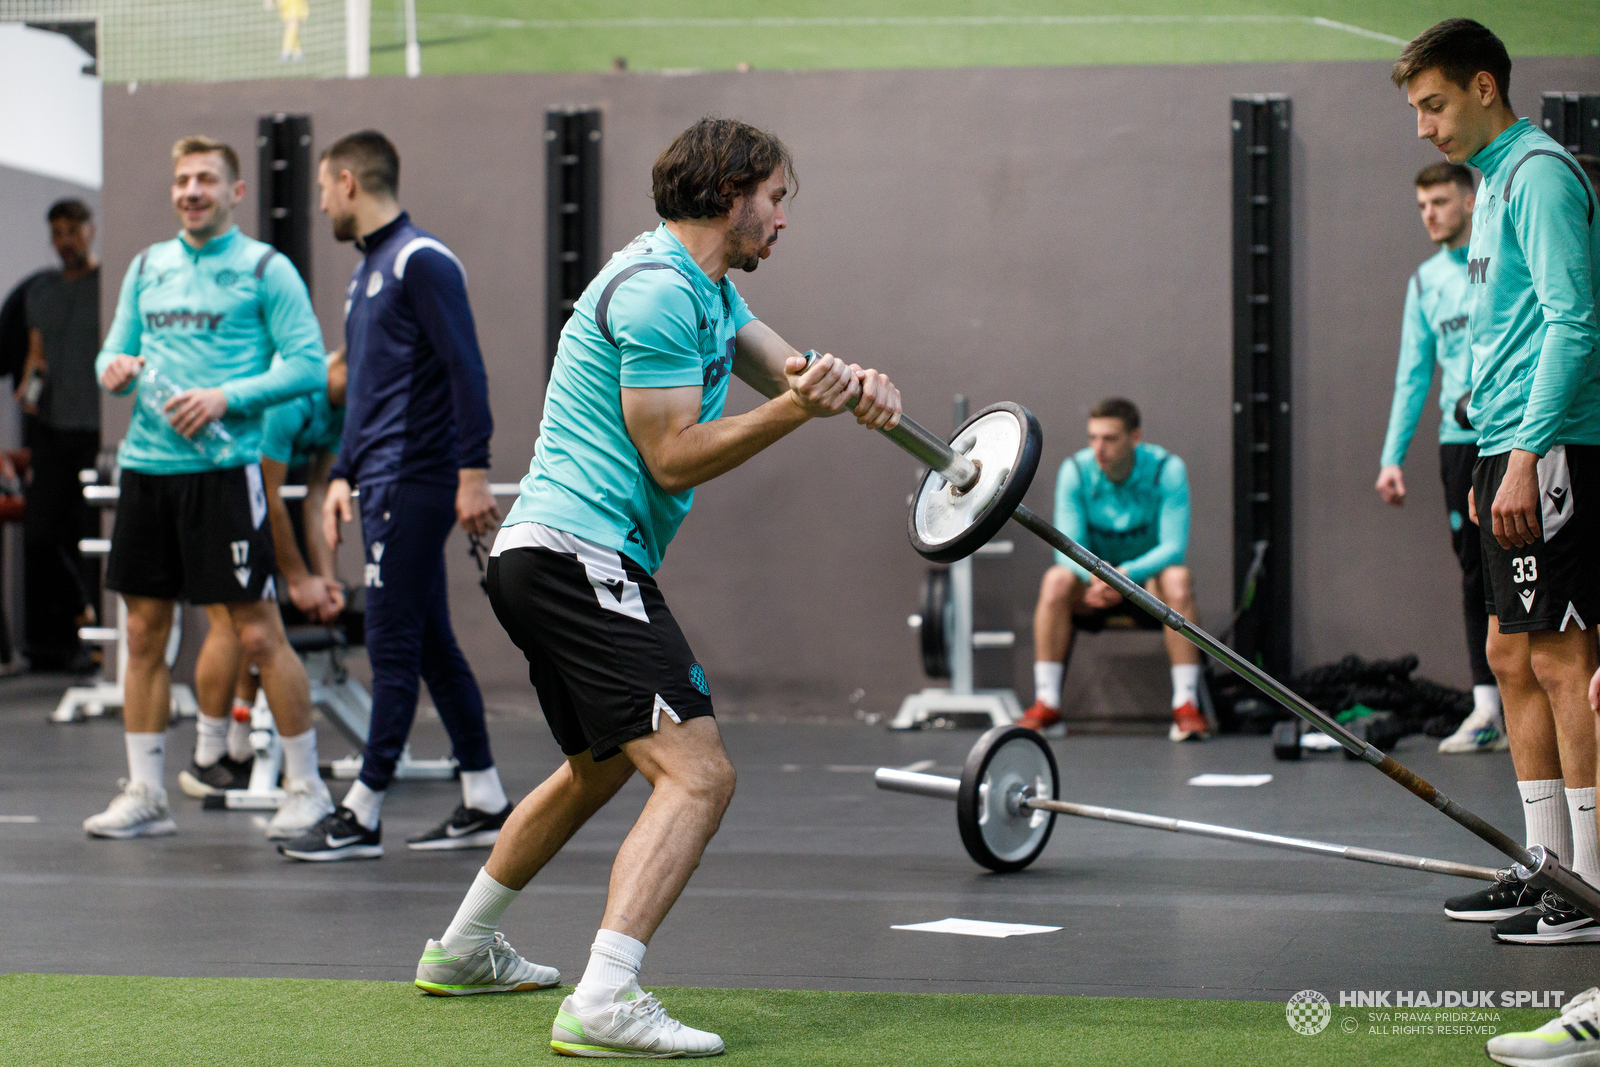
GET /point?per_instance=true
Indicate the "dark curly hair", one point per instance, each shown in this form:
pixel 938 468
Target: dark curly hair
pixel 710 163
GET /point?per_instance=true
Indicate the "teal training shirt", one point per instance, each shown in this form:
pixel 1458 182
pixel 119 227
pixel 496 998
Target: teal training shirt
pixel 1432 331
pixel 295 431
pixel 1140 525
pixel 651 319
pixel 1531 269
pixel 213 317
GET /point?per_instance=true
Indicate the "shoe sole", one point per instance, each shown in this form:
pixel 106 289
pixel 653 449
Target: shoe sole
pixel 1576 1059
pixel 194 787
pixel 1176 735
pixel 1484 916
pixel 572 1048
pixel 159 828
pixel 289 833
pixel 1471 750
pixel 1577 937
pixel 334 855
pixel 481 839
pixel 435 990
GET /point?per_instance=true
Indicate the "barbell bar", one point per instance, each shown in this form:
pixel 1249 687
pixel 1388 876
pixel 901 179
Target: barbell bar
pixel 976 482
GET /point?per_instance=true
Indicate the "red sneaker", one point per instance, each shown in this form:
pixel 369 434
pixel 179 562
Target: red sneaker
pixel 1039 717
pixel 1188 724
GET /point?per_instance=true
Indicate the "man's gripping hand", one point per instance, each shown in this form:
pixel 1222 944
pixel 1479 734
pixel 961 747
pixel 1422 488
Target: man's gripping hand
pixel 829 385
pixel 335 510
pixel 475 506
pixel 1391 485
pixel 1515 510
pixel 120 373
pixel 190 410
pixel 1101 595
pixel 320 598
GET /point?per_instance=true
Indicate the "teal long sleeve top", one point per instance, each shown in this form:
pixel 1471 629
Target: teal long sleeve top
pixel 1140 524
pixel 1433 332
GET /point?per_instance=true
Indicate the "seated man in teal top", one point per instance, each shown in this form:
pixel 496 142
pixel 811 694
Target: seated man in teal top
pixel 1127 502
pixel 1433 331
pixel 300 436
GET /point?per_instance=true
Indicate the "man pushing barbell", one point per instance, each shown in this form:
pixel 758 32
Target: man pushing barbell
pixel 632 424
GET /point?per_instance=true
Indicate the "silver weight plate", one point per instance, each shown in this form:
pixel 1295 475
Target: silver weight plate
pixel 994 441
pixel 1018 770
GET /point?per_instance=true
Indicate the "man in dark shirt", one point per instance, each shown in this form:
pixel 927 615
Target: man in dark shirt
pixel 416 443
pixel 57 387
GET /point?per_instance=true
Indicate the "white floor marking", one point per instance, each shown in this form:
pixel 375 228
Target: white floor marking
pixel 905 22
pixel 1231 779
pixel 19 818
pixel 977 928
pixel 920 765
pixel 791 766
pixel 850 768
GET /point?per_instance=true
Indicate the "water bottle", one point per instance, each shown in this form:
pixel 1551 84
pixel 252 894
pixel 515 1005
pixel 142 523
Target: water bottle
pixel 213 441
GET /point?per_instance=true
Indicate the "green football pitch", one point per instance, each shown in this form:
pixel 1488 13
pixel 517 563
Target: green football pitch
pixel 68 1020
pixel 480 36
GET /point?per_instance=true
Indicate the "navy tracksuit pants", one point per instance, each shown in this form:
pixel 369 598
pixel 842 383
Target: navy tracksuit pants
pixel 404 526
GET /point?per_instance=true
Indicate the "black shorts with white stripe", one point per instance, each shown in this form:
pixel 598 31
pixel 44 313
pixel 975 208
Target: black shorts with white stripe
pixel 1554 582
pixel 603 650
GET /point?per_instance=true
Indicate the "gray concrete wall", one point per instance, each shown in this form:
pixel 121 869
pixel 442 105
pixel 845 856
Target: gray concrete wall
pixel 1047 236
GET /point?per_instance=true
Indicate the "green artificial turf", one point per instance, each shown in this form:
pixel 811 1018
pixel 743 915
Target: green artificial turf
pixel 70 1020
pixel 480 36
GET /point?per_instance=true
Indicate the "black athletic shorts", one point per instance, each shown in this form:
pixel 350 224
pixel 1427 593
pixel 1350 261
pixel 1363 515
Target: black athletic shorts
pixel 603 650
pixel 1554 581
pixel 200 537
pixel 1125 615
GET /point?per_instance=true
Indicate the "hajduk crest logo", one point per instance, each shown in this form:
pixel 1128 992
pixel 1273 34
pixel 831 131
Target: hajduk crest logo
pixel 1308 1012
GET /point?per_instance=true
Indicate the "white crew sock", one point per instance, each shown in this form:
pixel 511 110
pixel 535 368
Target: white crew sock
pixel 365 803
pixel 614 961
pixel 1047 683
pixel 1185 684
pixel 1545 817
pixel 300 757
pixel 482 790
pixel 1486 698
pixel 210 739
pixel 1585 835
pixel 147 757
pixel 239 732
pixel 479 915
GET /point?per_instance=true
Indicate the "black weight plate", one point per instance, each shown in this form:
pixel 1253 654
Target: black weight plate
pixel 1004 758
pixel 936 618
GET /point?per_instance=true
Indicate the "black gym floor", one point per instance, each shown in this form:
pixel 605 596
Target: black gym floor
pixel 799 890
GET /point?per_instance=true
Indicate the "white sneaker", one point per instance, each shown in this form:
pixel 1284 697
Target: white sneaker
pixel 1482 731
pixel 305 803
pixel 1571 1039
pixel 140 810
pixel 639 1027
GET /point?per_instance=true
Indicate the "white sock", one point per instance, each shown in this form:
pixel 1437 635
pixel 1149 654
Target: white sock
pixel 147 757
pixel 239 732
pixel 210 739
pixel 614 961
pixel 366 804
pixel 1545 818
pixel 479 915
pixel 300 757
pixel 482 790
pixel 1185 684
pixel 1047 683
pixel 1585 835
pixel 1486 698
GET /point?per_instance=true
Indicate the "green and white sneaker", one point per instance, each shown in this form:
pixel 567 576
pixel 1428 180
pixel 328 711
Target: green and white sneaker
pixel 495 968
pixel 1571 1039
pixel 634 1028
pixel 1482 731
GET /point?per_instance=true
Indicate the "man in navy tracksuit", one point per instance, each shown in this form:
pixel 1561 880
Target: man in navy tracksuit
pixel 416 443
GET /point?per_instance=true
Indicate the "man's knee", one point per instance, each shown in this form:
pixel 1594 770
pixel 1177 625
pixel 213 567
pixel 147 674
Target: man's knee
pixel 1508 657
pixel 147 630
pixel 1559 662
pixel 1058 587
pixel 260 635
pixel 1176 585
